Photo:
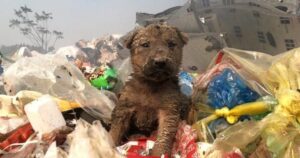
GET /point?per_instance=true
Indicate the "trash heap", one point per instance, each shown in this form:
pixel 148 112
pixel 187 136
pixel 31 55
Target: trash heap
pixel 59 106
pixel 249 101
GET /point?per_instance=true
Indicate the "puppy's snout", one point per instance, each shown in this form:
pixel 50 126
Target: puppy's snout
pixel 160 63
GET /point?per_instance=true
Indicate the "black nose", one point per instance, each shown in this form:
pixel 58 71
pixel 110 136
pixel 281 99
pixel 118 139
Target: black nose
pixel 160 63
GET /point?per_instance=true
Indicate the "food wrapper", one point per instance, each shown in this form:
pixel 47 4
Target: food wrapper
pixel 103 78
pixel 186 146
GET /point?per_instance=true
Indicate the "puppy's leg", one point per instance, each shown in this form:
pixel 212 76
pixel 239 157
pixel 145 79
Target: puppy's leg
pixel 168 124
pixel 121 117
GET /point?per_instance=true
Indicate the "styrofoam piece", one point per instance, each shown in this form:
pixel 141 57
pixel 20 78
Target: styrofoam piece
pixel 44 115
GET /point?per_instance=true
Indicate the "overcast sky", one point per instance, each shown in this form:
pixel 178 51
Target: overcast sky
pixel 81 19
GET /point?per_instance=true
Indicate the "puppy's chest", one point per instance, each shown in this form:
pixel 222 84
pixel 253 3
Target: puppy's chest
pixel 142 95
pixel 150 99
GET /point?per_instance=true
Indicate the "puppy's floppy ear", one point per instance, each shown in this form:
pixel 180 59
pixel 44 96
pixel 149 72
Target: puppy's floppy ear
pixel 128 39
pixel 183 37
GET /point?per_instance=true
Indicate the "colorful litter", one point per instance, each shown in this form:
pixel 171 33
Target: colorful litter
pixel 245 105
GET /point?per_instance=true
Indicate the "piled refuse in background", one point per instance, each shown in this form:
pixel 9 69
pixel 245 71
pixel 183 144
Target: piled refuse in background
pixel 59 105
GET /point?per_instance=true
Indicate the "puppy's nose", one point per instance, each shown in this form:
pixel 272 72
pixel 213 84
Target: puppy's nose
pixel 160 63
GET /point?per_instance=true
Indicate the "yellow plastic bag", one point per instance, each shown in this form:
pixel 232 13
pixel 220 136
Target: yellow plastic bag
pixel 278 76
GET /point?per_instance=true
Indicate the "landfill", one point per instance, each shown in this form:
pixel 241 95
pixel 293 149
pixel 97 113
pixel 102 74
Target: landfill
pixel 59 105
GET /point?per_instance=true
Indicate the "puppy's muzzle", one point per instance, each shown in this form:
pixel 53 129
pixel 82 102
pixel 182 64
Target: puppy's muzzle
pixel 160 63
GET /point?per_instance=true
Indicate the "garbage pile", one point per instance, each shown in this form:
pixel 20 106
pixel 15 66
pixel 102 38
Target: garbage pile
pixel 249 101
pixel 59 105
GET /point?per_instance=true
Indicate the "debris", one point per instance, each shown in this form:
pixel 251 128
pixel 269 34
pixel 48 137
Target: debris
pixel 44 115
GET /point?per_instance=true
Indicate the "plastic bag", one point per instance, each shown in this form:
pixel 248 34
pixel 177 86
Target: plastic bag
pixel 91 141
pixel 54 75
pixel 19 136
pixel 55 152
pixel 279 76
pixel 228 89
pixel 124 70
pixel 186 83
pixel 249 65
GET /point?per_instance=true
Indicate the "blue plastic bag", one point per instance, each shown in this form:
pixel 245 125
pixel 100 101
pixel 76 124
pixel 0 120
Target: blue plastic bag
pixel 229 89
pixel 186 83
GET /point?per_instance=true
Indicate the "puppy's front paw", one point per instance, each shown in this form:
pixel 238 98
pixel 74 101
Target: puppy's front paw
pixel 159 150
pixel 156 151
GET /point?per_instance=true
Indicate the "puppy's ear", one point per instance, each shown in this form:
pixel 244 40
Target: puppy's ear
pixel 128 39
pixel 183 37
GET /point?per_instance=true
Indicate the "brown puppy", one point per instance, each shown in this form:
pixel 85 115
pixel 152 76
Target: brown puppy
pixel 152 97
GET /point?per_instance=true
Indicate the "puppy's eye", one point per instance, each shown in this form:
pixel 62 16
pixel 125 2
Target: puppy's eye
pixel 145 45
pixel 171 44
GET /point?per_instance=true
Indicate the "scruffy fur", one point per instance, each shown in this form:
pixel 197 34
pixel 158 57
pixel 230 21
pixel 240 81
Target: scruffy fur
pixel 152 99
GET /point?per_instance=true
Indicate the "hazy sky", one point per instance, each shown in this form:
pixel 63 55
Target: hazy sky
pixel 81 19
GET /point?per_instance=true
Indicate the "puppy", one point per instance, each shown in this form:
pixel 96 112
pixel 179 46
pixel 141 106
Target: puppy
pixel 152 99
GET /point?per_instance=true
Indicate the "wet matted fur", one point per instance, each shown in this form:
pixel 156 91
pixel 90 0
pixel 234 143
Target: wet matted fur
pixel 152 99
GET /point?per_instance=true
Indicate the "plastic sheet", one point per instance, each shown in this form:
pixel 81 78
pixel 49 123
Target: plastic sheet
pixel 91 140
pixel 54 75
pixel 124 70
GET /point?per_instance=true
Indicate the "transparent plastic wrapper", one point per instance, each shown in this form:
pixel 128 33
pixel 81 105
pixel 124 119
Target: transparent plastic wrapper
pixel 91 141
pixel 219 152
pixel 54 75
pixel 278 76
pixel 124 70
pixel 55 152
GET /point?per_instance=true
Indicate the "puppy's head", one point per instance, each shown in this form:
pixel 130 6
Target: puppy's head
pixel 156 51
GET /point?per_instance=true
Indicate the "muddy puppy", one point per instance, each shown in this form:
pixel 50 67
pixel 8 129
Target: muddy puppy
pixel 152 99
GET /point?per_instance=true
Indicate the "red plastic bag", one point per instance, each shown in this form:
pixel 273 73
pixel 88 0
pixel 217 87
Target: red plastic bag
pixel 138 149
pixel 18 136
pixel 185 145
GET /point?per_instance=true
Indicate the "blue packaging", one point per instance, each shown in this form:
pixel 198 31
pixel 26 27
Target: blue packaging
pixel 186 83
pixel 229 89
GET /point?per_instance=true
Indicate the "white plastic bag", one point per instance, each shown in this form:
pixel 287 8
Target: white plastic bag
pixel 54 75
pixel 91 141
